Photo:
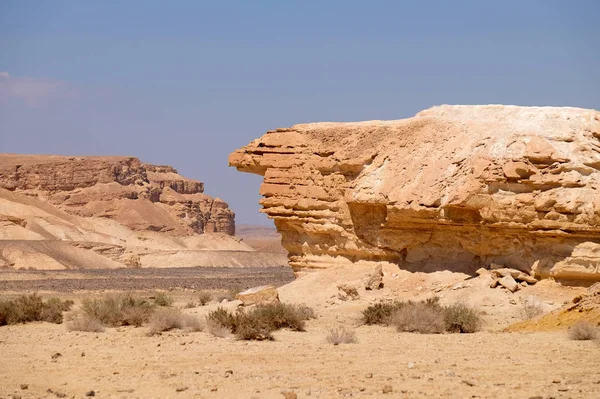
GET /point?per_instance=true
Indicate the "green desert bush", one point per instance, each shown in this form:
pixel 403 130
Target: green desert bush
pixel 426 317
pixel 260 322
pixel 29 308
pixel 119 310
pixel 584 331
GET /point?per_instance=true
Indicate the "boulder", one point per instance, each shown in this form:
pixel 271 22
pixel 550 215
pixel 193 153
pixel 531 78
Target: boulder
pixel 263 294
pixel 375 279
pixel 453 188
pixel 509 283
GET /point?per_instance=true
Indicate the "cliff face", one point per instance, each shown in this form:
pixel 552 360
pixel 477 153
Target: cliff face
pixel 137 195
pixel 455 187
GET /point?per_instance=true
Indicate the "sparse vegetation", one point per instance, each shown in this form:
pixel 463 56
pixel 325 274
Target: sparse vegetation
pixel 426 317
pixel 584 331
pixel 167 318
pixel 532 308
pixel 29 308
pixel 118 310
pixel 86 324
pixel 204 298
pixel 461 318
pixel 259 323
pixel 341 335
pixel 162 299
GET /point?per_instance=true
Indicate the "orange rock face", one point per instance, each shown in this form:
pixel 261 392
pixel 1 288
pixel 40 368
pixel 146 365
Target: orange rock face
pixel 137 195
pixel 455 187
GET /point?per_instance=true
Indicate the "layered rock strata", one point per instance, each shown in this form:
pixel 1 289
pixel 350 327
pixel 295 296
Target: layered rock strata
pixel 455 187
pixel 138 195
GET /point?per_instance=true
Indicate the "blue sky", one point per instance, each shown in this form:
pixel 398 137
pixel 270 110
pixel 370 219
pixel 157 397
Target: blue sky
pixel 185 83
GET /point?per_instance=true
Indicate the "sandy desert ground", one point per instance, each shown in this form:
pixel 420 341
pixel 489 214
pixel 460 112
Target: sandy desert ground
pixel 127 363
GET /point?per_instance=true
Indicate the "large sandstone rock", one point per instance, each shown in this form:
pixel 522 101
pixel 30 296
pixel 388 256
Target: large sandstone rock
pixel 138 195
pixel 455 187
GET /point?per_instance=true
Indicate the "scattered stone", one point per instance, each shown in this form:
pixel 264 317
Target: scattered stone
pixel 181 389
pixel 387 389
pixel 482 271
pixel 536 397
pixel 289 394
pixel 512 302
pixel 24 386
pixel 469 383
pixel 375 280
pixel 90 393
pixel 56 356
pixel 369 375
pixel 494 283
pixel 262 294
pixel 514 273
pixel 450 373
pixel 556 381
pixel 228 373
pixel 509 283
pixel 347 292
pixel 82 354
pixel 411 365
pixel 214 389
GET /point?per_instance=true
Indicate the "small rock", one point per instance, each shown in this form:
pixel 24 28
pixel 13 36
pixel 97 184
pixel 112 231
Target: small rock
pixel 369 375
pixel 289 395
pixel 536 397
pixel 228 373
pixel 450 373
pixel 458 286
pixel 509 283
pixel 411 365
pixel 481 271
pixel 375 279
pixel 524 284
pixel 494 283
pixel 387 389
pixel 181 389
pixel 56 356
pixel 82 354
pixel 469 383
pixel 90 393
pixel 262 294
pixel 347 292
pixel 214 389
pixel 556 381
pixel 24 386
pixel 512 302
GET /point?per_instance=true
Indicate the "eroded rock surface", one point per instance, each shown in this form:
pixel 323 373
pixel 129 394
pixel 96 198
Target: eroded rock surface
pixel 140 196
pixel 455 187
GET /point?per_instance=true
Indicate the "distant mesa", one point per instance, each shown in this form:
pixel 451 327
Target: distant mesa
pixel 60 212
pixel 453 188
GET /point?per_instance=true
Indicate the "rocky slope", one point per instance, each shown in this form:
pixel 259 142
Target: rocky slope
pixel 453 188
pixel 138 195
pixel 109 212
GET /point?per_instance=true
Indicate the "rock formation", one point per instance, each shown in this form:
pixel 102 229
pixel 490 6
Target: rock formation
pixel 108 212
pixel 138 195
pixel 455 187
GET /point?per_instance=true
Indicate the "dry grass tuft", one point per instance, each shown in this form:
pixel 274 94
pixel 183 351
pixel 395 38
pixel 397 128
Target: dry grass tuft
pixel 584 331
pixel 213 327
pixel 204 298
pixel 166 319
pixel 29 308
pixel 162 299
pixel 416 317
pixel 532 308
pixel 86 324
pixel 260 322
pixel 341 335
pixel 119 310
pixel 426 317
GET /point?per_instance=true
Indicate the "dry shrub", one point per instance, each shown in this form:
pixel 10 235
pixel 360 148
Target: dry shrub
pixel 162 299
pixel 216 329
pixel 341 335
pixel 584 331
pixel 426 317
pixel 204 298
pixel 166 319
pixel 118 310
pixel 190 305
pixel 461 318
pixel 380 313
pixel 192 323
pixel 86 324
pixel 418 318
pixel 532 308
pixel 28 308
pixel 258 323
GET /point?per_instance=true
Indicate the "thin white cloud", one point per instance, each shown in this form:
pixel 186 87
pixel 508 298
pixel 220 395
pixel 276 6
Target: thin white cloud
pixel 32 91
